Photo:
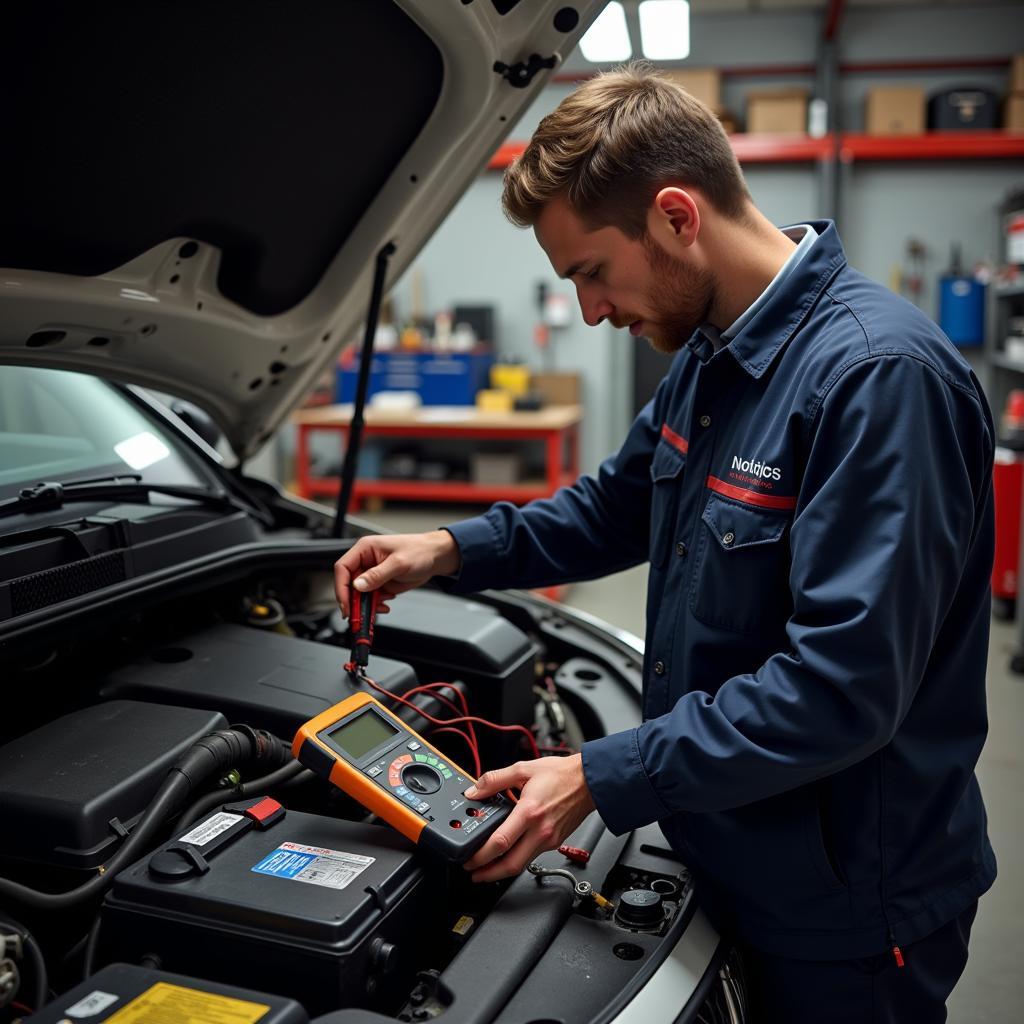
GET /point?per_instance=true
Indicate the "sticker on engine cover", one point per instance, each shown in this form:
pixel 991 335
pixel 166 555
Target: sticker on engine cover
pixel 90 1005
pixel 210 829
pixel 463 926
pixel 314 865
pixel 171 1004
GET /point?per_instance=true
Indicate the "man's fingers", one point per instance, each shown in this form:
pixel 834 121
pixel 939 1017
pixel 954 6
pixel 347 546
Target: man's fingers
pixel 495 781
pixel 377 575
pixel 509 858
pixel 350 564
pixel 499 844
pixel 402 560
pixel 342 579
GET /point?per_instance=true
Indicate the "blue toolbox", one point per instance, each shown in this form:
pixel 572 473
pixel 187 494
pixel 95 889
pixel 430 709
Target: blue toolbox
pixel 439 378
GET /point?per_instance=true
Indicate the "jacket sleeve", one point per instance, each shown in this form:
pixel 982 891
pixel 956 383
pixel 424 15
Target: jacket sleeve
pixel 599 525
pixel 895 495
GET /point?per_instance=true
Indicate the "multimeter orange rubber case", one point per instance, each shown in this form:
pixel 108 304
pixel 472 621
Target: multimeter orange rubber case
pixel 453 843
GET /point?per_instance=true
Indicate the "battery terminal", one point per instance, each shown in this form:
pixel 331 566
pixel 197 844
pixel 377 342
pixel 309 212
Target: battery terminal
pixel 582 889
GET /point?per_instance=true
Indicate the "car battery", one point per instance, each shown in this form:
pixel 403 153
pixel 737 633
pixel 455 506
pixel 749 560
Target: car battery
pixel 253 676
pixel 445 637
pixel 70 790
pixel 325 911
pixel 126 994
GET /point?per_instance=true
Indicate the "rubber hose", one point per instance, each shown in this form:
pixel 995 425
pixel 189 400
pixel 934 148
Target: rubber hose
pixel 35 956
pixel 208 756
pixel 222 796
pixel 91 945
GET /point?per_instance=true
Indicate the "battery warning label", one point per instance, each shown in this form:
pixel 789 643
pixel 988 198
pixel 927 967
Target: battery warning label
pixel 314 865
pixel 172 1004
pixel 210 829
pixel 92 1004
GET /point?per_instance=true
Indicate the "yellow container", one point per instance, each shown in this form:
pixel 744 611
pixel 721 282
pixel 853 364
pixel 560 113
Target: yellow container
pixel 511 377
pixel 494 401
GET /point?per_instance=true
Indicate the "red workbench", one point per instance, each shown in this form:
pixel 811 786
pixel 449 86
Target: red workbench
pixel 557 426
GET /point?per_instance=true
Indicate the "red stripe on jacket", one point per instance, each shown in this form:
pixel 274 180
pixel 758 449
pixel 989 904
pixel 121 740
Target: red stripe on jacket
pixel 751 497
pixel 674 439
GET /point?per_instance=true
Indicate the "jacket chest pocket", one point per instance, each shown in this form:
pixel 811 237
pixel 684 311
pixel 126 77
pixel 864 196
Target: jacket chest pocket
pixel 741 568
pixel 666 485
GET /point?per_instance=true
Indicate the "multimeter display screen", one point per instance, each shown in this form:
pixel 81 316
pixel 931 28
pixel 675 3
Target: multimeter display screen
pixel 360 735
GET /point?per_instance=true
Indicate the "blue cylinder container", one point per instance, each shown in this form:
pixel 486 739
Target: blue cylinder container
pixel 962 309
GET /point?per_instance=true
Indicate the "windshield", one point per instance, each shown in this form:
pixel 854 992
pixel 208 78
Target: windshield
pixel 57 425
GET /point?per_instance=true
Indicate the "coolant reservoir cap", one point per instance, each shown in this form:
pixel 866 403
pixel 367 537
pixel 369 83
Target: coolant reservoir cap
pixel 640 907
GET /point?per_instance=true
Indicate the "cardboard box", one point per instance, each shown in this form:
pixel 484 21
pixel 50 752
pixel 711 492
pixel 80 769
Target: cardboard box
pixel 895 110
pixel 558 388
pixel 703 84
pixel 1013 112
pixel 779 112
pixel 1016 73
pixel 496 467
pixel 728 122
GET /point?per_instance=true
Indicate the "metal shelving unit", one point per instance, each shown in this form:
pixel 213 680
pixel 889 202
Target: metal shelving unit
pixel 1001 372
pixel 1006 363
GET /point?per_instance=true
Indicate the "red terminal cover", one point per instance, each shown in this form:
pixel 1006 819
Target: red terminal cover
pixel 575 854
pixel 265 813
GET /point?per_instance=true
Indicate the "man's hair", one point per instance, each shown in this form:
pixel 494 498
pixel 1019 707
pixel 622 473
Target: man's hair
pixel 612 144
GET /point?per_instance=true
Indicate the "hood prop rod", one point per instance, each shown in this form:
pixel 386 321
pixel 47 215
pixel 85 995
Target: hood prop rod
pixel 355 430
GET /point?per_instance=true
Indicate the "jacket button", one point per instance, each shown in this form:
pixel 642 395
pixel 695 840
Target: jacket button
pixel 728 538
pixel 659 668
pixel 681 549
pixel 705 421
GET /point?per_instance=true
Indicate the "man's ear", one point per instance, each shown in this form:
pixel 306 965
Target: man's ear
pixel 674 210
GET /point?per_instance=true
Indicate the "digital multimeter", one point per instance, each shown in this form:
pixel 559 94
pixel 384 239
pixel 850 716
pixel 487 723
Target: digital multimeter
pixel 376 758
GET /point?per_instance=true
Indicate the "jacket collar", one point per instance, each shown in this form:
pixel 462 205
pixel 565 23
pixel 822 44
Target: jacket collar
pixel 778 320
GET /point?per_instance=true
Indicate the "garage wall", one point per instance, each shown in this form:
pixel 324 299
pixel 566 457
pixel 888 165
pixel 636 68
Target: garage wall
pixel 477 256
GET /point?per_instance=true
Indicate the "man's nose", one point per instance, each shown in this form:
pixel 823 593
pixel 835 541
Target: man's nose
pixel 594 308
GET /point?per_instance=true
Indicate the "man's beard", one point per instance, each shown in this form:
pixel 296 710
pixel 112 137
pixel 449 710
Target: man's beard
pixel 681 297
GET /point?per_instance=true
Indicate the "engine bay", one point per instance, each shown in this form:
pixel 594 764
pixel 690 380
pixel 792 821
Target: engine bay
pixel 159 820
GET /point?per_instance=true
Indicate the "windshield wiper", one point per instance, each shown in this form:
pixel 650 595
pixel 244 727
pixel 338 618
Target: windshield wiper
pixel 50 494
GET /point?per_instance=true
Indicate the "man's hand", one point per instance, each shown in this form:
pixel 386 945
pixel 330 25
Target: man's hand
pixel 394 564
pixel 554 801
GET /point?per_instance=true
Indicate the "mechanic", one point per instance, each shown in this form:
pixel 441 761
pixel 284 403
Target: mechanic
pixel 811 485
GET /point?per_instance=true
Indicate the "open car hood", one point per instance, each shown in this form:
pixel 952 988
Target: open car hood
pixel 195 197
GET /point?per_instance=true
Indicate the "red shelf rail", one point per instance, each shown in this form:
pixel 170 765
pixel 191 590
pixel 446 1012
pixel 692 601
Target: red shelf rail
pixel 777 149
pixel 933 146
pixel 846 68
pixel 750 149
pixel 756 149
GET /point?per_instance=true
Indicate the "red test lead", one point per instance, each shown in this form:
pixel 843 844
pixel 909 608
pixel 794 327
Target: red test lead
pixel 362 613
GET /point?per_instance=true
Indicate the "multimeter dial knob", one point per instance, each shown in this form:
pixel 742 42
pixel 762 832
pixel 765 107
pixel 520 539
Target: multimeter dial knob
pixel 421 778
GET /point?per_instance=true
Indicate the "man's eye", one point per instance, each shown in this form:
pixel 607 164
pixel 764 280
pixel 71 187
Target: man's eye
pixel 592 274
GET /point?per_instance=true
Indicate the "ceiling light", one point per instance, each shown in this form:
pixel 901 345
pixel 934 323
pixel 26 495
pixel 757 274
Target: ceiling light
pixel 665 29
pixel 608 38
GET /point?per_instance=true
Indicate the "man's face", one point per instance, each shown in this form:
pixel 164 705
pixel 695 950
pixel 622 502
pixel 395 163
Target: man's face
pixel 634 284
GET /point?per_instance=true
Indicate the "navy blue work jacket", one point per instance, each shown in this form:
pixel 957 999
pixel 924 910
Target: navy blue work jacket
pixel 815 501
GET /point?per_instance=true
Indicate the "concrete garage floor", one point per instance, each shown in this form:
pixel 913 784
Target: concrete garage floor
pixel 992 988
